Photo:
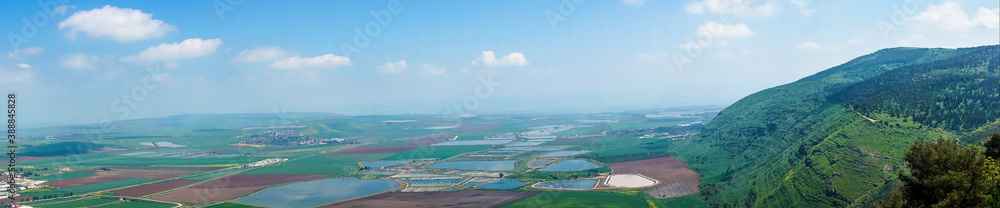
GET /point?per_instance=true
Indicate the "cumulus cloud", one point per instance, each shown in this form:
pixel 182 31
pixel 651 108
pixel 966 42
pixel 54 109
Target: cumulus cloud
pixel 61 10
pixel 84 61
pixel 807 46
pixel 119 24
pixel 724 30
pixel 391 67
pixel 949 16
pixel 15 76
pixel 735 7
pixel 23 66
pixel 190 48
pixel 25 51
pixel 432 69
pixel 719 32
pixel 634 2
pixel 267 53
pixel 323 61
pixel 803 8
pixel 489 59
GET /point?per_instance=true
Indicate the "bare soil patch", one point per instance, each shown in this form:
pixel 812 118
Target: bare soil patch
pixel 230 187
pixel 104 176
pixel 455 199
pixel 676 179
pixel 143 190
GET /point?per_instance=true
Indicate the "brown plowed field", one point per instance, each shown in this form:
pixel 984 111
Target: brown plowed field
pixel 230 187
pixel 153 188
pixel 110 176
pixel 675 178
pixel 456 199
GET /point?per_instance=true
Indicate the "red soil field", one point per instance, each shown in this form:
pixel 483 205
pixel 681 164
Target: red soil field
pixel 457 199
pixel 375 149
pixel 675 178
pixel 20 198
pixel 110 176
pixel 162 168
pixel 230 187
pixel 153 188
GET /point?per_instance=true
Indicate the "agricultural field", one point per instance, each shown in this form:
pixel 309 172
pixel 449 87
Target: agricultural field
pixel 440 162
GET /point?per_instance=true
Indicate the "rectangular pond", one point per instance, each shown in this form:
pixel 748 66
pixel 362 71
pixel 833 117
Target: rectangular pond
pixel 573 184
pixel 502 184
pixel 494 165
pixel 571 165
pixel 315 193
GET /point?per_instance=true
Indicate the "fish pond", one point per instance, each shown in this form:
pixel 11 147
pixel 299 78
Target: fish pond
pixel 573 184
pixel 494 165
pixel 502 184
pixel 571 165
pixel 315 193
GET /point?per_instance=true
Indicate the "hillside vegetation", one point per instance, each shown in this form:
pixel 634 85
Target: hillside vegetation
pixel 837 138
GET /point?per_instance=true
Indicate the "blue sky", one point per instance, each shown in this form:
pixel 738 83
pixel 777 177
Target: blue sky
pixel 84 61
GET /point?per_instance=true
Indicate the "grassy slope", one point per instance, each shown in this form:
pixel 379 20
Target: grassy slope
pixel 793 145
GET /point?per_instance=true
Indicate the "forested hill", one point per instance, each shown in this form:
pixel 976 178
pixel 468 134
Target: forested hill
pixel 837 138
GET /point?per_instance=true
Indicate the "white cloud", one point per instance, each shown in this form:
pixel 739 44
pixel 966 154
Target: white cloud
pixel 267 53
pixel 189 48
pixel 487 58
pixel 719 32
pixel 15 76
pixel 634 2
pixel 803 8
pixel 391 67
pixel 323 61
pixel 724 55
pixel 23 66
pixel 25 51
pixel 735 7
pixel 724 30
pixel 949 16
pixel 122 25
pixel 84 61
pixel 807 46
pixel 432 69
pixel 855 41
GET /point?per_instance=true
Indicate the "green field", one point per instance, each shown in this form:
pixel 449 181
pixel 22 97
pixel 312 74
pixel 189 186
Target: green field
pixel 62 176
pixel 336 164
pixel 106 185
pixel 77 203
pixel 130 204
pixel 568 199
pixel 439 152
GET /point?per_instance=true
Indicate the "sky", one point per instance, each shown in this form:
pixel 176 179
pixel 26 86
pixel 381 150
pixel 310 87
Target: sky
pixel 75 62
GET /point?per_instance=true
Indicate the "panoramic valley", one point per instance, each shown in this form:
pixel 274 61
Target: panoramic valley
pixel 501 104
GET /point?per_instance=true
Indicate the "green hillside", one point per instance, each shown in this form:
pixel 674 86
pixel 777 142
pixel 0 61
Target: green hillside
pixel 836 138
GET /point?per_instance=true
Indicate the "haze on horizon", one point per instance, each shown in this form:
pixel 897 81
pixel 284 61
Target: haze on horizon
pixel 377 57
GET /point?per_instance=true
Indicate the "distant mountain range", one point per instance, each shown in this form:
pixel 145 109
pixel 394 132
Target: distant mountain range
pixel 837 138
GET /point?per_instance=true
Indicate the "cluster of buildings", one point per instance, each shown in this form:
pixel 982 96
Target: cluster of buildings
pixel 263 162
